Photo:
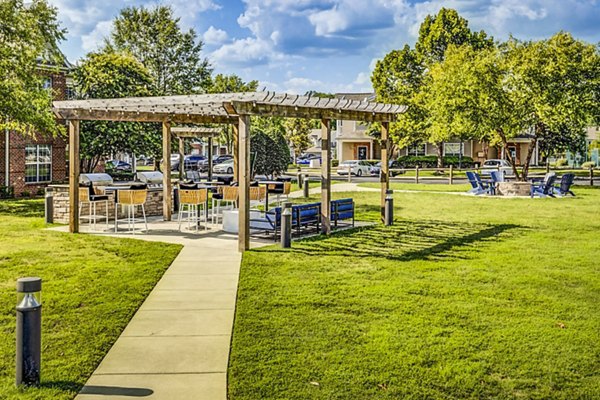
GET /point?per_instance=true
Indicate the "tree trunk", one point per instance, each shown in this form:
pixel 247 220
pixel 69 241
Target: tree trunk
pixel 510 157
pixel 440 155
pixel 528 159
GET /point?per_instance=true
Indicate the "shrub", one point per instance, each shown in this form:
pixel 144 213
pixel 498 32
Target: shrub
pixel 561 162
pixel 25 193
pixel 335 162
pixel 7 192
pixel 431 161
pixel 588 165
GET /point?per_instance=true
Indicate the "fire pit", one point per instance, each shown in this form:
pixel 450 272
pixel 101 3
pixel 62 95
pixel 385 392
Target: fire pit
pixel 514 189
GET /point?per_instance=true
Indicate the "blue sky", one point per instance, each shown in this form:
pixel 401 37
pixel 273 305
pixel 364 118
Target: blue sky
pixel 323 45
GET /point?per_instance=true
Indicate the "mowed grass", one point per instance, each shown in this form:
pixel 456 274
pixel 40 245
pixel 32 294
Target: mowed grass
pixel 91 288
pixel 421 187
pixel 463 298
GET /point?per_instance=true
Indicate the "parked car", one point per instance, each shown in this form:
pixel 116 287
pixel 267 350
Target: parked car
pixel 375 170
pixel 496 165
pixel 118 165
pixel 203 165
pixel 305 159
pixel 191 161
pixel 225 167
pixel 356 167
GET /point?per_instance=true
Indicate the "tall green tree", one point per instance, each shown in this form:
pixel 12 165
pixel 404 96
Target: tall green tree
pixel 297 132
pixel 171 55
pixel 114 75
pixel 230 84
pixel 29 35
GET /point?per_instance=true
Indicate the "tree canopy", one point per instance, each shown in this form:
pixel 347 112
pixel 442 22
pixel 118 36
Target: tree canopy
pixel 297 132
pixel 29 37
pixel 172 56
pixel 114 75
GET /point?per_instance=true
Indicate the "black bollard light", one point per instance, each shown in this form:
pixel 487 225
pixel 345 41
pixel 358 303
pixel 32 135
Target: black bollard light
pixel 49 206
pixel 176 199
pixel 389 208
pixel 29 331
pixel 286 226
pixel 305 187
pixel 299 180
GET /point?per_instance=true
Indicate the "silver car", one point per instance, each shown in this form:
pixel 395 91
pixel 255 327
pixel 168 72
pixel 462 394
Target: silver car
pixel 496 165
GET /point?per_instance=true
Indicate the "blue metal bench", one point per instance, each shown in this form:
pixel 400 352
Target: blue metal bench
pixel 306 215
pixel 342 209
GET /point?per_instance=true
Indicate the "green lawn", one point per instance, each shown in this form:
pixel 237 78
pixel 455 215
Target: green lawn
pixel 422 187
pixel 92 286
pixel 463 298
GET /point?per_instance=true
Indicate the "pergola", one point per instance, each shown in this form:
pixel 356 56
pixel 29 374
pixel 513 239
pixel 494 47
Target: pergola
pixel 228 108
pixel 195 132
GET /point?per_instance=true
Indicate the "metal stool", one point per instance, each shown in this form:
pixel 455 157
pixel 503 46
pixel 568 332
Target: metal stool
pixel 229 197
pixel 87 195
pixel 130 199
pixel 192 201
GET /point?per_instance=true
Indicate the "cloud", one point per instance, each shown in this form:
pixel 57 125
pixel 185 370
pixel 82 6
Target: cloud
pixel 92 40
pixel 245 52
pixel 214 36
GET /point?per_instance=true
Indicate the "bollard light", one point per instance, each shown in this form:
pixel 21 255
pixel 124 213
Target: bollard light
pixel 305 187
pixel 29 331
pixel 299 180
pixel 286 226
pixel 49 206
pixel 389 208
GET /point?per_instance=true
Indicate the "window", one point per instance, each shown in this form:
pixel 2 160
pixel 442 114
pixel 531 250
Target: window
pixel 454 149
pixel 418 149
pixel 47 83
pixel 38 163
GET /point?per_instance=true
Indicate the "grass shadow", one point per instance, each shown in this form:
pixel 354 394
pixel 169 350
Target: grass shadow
pixel 405 241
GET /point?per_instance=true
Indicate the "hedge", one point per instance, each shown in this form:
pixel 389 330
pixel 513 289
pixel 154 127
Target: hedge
pixel 431 161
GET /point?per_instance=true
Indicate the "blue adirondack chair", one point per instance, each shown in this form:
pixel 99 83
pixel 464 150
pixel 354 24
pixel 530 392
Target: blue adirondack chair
pixel 544 188
pixel 564 187
pixel 479 186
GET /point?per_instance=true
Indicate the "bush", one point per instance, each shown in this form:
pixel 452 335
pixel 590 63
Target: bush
pixel 431 161
pixel 7 192
pixel 335 162
pixel 561 162
pixel 25 193
pixel 588 165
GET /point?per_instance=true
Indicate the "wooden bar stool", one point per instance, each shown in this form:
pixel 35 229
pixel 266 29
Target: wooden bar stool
pixel 228 197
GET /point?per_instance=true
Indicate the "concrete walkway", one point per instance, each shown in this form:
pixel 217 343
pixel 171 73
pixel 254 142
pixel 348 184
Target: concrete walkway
pixel 177 344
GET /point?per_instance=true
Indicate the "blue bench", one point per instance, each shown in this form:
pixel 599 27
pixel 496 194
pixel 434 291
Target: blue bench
pixel 342 209
pixel 306 215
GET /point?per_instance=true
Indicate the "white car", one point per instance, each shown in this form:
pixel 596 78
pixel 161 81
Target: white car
pixel 356 167
pixel 496 165
pixel 226 167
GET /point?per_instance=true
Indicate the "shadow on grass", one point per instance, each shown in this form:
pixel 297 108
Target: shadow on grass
pixel 405 241
pixel 33 208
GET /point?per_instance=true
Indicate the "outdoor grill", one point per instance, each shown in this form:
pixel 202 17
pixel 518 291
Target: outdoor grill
pixel 99 179
pixel 154 179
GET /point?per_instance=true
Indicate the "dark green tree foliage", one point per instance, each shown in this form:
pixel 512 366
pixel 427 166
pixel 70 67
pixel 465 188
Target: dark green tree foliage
pixel 28 34
pixel 172 56
pixel 269 150
pixel 114 75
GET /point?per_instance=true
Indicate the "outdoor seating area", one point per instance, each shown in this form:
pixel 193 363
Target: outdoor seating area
pixel 500 185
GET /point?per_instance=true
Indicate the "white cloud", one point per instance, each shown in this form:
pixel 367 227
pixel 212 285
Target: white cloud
pixel 93 40
pixel 245 52
pixel 214 36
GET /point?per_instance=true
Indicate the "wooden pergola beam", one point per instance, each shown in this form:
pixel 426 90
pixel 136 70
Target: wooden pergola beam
pixel 384 177
pixel 244 183
pixel 167 189
pixel 326 176
pixel 133 116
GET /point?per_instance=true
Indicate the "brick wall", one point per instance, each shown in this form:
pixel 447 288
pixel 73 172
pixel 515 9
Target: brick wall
pixel 18 142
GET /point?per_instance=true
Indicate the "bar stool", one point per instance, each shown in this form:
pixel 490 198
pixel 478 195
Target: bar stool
pixel 281 190
pixel 257 194
pixel 130 199
pixel 228 197
pixel 87 195
pixel 192 202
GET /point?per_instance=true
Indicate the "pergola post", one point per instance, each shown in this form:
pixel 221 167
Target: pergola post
pixel 236 160
pixel 384 177
pixel 73 176
pixel 181 159
pixel 325 176
pixel 210 157
pixel 166 143
pixel 244 183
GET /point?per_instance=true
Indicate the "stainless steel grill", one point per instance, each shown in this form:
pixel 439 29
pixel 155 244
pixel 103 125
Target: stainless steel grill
pixel 151 178
pixel 99 179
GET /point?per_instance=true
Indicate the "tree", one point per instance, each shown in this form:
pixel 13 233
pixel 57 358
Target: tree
pixel 28 34
pixel 447 28
pixel 297 132
pixel 114 75
pixel 230 84
pixel 172 57
pixel 269 156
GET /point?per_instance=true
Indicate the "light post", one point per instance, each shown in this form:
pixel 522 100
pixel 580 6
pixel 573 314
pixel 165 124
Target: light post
pixel 305 187
pixel 29 331
pixel 286 226
pixel 389 208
